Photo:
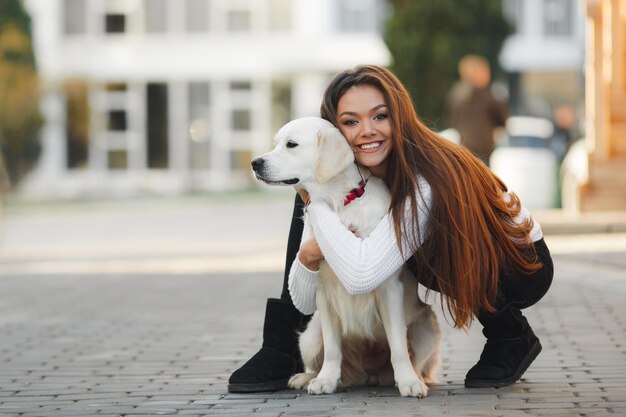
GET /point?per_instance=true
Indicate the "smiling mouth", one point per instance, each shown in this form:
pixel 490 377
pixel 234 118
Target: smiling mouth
pixel 369 146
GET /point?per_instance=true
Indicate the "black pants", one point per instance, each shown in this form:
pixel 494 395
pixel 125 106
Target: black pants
pixel 520 290
pixel 293 244
pixel 516 289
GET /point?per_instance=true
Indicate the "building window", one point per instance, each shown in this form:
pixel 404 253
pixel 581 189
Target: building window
pixel 281 104
pixel 238 21
pixel 157 125
pixel 77 123
pixel 197 15
pixel 156 16
pixel 199 125
pixel 114 23
pixel 241 119
pixel 357 16
pixel 240 160
pixel 280 15
pixel 118 159
pixel 116 87
pixel 241 85
pixel 558 17
pixel 74 17
pixel 117 121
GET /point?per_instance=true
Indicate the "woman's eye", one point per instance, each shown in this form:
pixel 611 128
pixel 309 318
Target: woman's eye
pixel 291 144
pixel 381 116
pixel 349 122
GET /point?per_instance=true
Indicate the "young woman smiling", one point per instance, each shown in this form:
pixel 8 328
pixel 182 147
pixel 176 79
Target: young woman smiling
pixel 451 219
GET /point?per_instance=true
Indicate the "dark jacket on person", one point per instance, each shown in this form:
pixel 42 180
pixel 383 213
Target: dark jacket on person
pixel 474 113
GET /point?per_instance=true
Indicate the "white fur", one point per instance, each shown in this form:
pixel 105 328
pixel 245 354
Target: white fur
pixel 371 339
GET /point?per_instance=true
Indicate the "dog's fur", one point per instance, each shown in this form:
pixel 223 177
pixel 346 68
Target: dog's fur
pixel 368 339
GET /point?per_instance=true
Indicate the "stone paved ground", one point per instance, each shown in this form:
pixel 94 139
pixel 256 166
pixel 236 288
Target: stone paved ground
pixel 112 336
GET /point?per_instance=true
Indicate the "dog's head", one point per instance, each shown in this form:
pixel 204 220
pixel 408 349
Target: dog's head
pixel 309 150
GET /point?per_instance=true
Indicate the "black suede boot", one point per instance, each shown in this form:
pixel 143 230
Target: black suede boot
pixel 279 358
pixel 510 349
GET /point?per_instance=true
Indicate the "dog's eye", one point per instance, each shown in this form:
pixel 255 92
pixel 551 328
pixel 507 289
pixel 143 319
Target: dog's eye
pixel 291 144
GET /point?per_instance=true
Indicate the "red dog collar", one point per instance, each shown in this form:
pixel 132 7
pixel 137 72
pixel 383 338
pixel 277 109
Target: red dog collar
pixel 355 193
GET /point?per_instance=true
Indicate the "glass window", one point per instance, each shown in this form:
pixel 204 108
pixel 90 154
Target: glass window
pixel 357 15
pixel 77 123
pixel 280 15
pixel 156 16
pixel 198 100
pixel 238 20
pixel 558 17
pixel 240 85
pixel 241 119
pixel 199 127
pixel 115 86
pixel 115 23
pixel 118 159
pixel 197 15
pixel 281 104
pixel 240 160
pixel 117 120
pixel 74 16
pixel 157 125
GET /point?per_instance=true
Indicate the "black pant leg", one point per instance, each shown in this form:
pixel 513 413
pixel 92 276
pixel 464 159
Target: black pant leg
pixel 523 291
pixel 515 288
pixel 293 244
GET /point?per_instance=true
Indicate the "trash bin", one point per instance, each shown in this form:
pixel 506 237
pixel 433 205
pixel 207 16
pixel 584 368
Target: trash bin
pixel 526 162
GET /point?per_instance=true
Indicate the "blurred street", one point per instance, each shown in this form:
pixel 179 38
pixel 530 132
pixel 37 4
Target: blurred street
pixel 145 307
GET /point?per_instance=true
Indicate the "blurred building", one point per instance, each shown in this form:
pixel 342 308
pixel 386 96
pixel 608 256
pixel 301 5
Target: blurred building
pixel 544 57
pixel 177 95
pixel 605 185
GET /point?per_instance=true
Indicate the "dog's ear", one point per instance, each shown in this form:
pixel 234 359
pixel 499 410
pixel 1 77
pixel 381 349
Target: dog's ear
pixel 333 154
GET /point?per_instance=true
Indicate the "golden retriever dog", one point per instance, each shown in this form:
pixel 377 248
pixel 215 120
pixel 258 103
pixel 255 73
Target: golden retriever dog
pixel 386 336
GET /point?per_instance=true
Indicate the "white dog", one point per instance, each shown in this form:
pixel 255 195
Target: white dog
pixel 368 339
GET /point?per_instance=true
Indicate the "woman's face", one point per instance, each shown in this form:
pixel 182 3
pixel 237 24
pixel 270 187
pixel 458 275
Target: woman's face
pixel 363 119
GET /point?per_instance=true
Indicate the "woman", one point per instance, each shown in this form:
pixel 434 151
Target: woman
pixel 450 218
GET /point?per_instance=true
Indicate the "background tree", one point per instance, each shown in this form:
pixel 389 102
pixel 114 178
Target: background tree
pixel 20 118
pixel 427 38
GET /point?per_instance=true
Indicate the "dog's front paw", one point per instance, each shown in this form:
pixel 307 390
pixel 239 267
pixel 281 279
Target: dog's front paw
pixel 322 386
pixel 413 388
pixel 301 380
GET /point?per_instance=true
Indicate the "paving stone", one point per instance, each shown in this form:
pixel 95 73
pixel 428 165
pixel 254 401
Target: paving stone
pixel 149 344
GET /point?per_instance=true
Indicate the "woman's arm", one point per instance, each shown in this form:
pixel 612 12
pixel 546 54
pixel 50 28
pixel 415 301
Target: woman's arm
pixel 303 287
pixel 363 264
pixel 304 274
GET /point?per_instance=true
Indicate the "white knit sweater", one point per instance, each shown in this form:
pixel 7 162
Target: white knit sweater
pixel 362 264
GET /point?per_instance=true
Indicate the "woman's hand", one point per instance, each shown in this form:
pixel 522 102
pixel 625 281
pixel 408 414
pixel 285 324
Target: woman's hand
pixel 310 255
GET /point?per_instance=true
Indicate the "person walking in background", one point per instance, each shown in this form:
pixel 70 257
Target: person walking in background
pixel 473 110
pixel 564 120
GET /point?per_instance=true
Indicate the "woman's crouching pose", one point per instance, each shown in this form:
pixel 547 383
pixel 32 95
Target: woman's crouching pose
pixel 451 219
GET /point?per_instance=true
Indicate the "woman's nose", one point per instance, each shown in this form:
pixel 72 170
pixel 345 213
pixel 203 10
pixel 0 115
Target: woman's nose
pixel 367 129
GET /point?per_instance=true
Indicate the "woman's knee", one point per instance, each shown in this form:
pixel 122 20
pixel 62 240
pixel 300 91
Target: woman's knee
pixel 526 290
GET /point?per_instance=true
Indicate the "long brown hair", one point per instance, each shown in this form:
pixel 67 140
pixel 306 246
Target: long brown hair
pixel 471 234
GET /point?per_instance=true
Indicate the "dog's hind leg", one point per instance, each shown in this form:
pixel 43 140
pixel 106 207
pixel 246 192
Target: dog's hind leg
pixel 425 340
pixel 429 371
pixel 312 352
pixel 390 297
pixel 301 380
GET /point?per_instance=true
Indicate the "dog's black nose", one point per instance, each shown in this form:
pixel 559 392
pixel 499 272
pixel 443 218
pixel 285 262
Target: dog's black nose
pixel 257 163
